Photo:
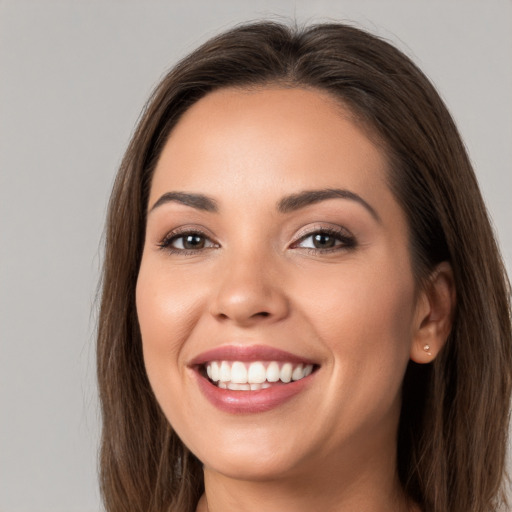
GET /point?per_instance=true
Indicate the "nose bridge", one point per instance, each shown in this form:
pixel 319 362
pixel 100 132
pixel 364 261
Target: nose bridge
pixel 250 287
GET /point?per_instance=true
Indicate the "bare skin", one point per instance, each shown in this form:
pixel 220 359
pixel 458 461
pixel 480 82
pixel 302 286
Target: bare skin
pixel 328 280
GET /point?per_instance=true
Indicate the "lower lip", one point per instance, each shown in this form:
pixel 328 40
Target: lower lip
pixel 242 402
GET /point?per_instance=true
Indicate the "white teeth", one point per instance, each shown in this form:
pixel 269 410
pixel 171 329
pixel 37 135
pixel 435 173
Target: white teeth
pixel 286 372
pixel 239 373
pixel 240 376
pixel 238 387
pixel 214 371
pixel 297 373
pixel 257 373
pixel 225 372
pixel 273 372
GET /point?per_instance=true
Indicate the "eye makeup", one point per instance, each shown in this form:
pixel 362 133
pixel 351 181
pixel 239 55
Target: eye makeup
pixel 186 241
pixel 317 240
pixel 322 239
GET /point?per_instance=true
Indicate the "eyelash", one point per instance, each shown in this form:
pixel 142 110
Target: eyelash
pixel 170 238
pixel 340 235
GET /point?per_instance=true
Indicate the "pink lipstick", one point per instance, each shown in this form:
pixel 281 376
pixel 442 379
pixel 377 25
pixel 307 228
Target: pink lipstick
pixel 250 379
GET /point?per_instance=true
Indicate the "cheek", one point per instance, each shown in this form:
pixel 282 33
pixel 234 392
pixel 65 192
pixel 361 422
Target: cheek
pixel 166 303
pixel 166 311
pixel 364 321
pixel 375 300
pixel 363 314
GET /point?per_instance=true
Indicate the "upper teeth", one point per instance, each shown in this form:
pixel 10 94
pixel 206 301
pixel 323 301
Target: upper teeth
pixel 258 372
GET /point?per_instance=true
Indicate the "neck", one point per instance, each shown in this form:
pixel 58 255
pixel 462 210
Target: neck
pixel 252 497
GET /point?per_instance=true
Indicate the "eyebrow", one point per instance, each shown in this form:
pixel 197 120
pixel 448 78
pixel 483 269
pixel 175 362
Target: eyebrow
pixel 309 197
pixel 287 204
pixel 198 201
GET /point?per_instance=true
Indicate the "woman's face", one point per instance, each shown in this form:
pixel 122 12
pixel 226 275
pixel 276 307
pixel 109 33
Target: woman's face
pixel 275 247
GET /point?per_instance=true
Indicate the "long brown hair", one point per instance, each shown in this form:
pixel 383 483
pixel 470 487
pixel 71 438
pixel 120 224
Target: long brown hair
pixel 455 413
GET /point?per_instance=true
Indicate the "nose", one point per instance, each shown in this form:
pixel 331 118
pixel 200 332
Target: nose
pixel 250 291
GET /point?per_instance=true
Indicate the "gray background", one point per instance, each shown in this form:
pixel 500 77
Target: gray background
pixel 73 78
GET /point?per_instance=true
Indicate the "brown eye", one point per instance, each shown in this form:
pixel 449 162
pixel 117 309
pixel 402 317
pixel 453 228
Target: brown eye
pixel 323 241
pixel 326 240
pixel 187 242
pixel 193 241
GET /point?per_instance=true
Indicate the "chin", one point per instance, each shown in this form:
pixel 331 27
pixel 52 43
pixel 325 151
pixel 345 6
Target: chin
pixel 250 469
pixel 251 461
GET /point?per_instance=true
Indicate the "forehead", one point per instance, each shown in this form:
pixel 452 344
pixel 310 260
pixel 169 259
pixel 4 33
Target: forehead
pixel 268 140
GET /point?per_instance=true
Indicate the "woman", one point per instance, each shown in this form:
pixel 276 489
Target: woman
pixel 303 307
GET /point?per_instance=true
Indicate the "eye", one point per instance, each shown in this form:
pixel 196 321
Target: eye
pixel 326 240
pixel 186 242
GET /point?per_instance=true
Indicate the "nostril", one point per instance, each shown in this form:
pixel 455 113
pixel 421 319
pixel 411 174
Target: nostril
pixel 247 306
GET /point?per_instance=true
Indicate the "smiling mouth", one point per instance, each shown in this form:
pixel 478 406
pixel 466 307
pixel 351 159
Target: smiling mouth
pixel 254 376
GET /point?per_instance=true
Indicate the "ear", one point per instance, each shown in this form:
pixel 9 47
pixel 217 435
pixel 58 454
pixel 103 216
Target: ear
pixel 434 315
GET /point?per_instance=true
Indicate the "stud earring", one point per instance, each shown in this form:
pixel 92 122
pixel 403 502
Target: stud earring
pixel 426 348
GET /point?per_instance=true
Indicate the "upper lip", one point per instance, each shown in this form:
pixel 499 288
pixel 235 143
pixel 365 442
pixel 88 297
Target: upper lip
pixel 248 353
